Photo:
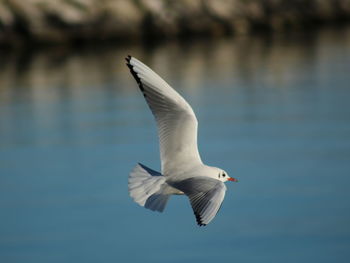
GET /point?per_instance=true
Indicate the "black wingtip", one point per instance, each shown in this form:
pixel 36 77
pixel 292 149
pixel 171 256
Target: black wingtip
pixel 134 74
pixel 199 220
pixel 128 58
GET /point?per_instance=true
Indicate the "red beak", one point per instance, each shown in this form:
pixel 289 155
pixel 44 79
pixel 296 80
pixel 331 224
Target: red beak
pixel 232 179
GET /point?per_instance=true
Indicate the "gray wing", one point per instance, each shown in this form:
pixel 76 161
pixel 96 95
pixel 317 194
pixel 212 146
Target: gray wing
pixel 176 121
pixel 206 196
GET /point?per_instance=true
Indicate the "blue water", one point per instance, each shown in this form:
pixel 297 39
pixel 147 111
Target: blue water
pixel 273 112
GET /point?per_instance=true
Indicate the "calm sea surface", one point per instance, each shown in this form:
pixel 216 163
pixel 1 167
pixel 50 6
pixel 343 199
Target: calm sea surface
pixel 273 112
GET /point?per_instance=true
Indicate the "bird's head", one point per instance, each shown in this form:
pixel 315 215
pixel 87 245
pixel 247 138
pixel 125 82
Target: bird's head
pixel 223 177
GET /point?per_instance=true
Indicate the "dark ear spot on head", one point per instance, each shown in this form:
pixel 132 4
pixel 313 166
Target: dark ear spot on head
pixel 219 175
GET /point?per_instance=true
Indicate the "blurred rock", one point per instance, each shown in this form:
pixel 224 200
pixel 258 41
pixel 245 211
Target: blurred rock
pixel 56 21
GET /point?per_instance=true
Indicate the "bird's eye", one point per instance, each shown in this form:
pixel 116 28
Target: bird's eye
pixel 223 174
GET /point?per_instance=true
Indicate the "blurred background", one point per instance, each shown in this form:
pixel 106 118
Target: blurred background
pixel 268 81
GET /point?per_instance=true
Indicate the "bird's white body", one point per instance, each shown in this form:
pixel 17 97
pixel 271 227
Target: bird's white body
pixel 182 170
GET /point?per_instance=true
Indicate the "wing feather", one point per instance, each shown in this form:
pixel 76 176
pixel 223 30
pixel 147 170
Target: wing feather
pixel 206 196
pixel 176 121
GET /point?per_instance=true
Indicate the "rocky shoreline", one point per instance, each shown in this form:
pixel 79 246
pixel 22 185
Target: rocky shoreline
pixel 65 21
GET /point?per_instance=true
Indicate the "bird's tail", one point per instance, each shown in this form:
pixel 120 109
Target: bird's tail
pixel 145 187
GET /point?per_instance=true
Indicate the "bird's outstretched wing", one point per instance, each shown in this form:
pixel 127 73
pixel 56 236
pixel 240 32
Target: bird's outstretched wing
pixel 206 195
pixel 176 121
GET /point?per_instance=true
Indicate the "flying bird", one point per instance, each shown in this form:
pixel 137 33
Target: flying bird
pixel 182 170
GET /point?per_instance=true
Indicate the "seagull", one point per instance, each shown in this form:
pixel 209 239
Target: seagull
pixel 182 170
